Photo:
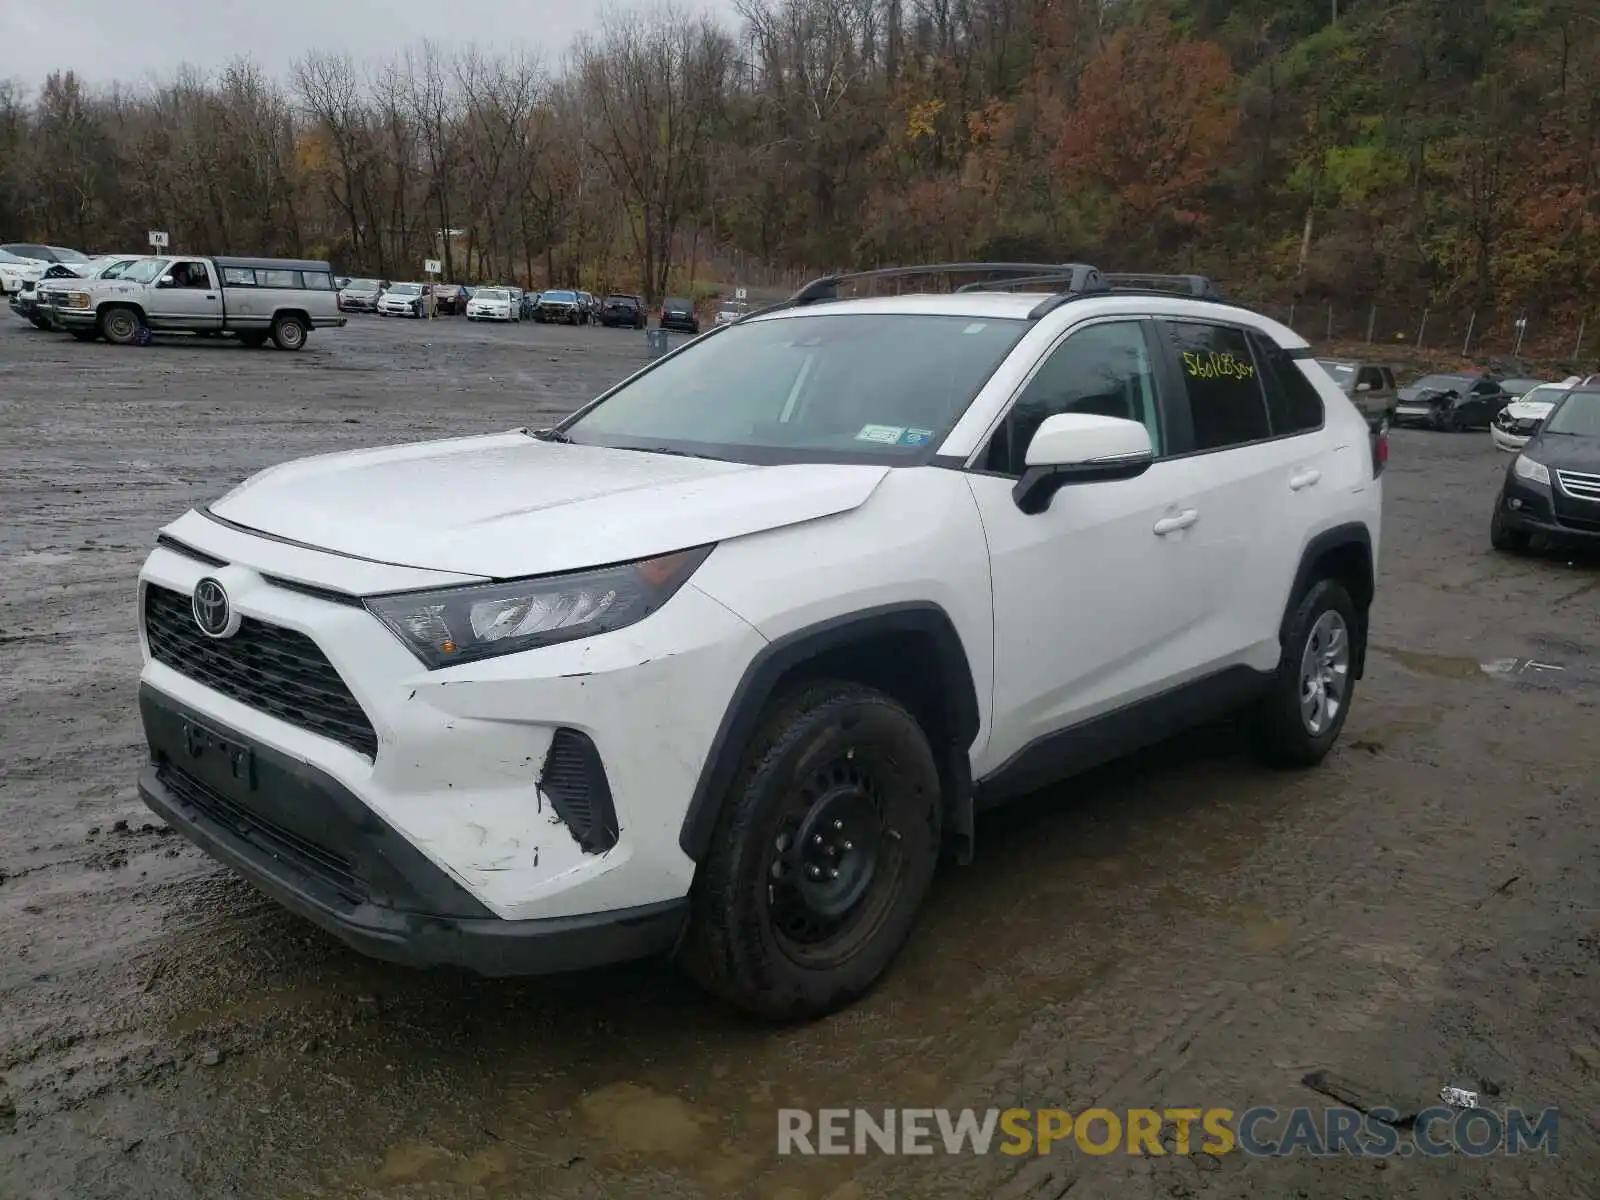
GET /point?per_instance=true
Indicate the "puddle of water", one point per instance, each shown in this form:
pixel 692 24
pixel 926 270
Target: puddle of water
pixel 1444 666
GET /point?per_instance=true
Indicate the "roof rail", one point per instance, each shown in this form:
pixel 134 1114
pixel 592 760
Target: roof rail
pixel 1196 287
pixel 1069 281
pixel 827 287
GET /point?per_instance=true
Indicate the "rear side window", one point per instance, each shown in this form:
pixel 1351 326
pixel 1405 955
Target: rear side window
pixel 1226 401
pixel 238 277
pixel 1293 402
pixel 318 282
pixel 278 279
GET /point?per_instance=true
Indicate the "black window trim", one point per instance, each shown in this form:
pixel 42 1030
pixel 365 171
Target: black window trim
pixel 1171 357
pixel 969 463
pixel 1255 336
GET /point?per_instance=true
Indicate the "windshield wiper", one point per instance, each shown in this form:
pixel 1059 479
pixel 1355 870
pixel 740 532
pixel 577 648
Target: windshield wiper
pixel 550 435
pixel 670 450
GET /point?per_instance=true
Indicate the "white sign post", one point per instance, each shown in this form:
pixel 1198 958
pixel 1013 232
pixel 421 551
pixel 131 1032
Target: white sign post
pixel 739 293
pixel 158 239
pixel 433 268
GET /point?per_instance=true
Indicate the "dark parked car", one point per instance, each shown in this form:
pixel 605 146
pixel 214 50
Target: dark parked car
pixel 450 299
pixel 560 307
pixel 1451 402
pixel 679 314
pixel 622 310
pixel 1552 488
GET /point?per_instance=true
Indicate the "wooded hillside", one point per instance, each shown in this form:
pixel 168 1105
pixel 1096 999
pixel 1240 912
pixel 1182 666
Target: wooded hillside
pixel 1403 151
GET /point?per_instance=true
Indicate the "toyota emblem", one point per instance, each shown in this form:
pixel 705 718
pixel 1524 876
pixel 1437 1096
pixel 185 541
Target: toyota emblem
pixel 212 612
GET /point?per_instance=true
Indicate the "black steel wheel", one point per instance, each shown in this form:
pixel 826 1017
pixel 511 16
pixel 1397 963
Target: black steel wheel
pixel 824 849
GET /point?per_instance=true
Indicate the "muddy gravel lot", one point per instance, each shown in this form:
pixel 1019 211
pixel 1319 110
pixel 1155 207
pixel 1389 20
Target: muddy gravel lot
pixel 1179 929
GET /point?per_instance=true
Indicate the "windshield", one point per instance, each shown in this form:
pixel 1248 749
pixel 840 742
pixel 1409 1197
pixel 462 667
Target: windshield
pixel 1544 395
pixel 621 301
pixel 361 285
pixel 1519 387
pixel 1441 383
pixel 1578 417
pixel 560 297
pixel 7 257
pixel 837 387
pixel 406 289
pixel 1341 372
pixel 68 256
pixel 491 294
pixel 115 268
pixel 144 272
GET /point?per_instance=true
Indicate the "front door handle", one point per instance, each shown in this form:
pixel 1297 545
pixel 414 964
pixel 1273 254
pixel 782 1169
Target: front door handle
pixel 1304 480
pixel 1172 524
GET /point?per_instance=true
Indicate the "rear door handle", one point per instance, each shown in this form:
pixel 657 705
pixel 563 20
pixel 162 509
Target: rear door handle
pixel 1172 524
pixel 1305 479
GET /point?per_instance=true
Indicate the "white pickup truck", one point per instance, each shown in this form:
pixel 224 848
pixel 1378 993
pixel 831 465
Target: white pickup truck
pixel 251 298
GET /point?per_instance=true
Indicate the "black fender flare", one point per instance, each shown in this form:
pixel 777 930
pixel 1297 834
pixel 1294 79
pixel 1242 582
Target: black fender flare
pixel 780 659
pixel 1340 538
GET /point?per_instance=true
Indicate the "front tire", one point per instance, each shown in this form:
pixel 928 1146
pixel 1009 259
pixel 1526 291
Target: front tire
pixel 120 326
pixel 823 851
pixel 1296 723
pixel 289 333
pixel 1504 538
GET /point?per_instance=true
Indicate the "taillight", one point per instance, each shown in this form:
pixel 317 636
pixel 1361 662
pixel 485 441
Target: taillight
pixel 1380 449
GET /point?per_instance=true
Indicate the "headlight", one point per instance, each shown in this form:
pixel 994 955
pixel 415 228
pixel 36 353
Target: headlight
pixel 464 624
pixel 76 299
pixel 1527 468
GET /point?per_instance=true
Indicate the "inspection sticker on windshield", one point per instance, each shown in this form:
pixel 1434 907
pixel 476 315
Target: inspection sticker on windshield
pixel 889 435
pixel 916 437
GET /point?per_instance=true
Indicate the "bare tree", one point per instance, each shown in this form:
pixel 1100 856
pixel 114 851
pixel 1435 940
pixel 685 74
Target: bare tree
pixel 656 87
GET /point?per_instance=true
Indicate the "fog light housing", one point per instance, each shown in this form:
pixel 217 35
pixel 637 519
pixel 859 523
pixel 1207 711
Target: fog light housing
pixel 574 781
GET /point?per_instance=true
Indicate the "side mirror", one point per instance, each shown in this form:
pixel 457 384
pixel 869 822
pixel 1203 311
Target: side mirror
pixel 164 281
pixel 1363 387
pixel 1073 448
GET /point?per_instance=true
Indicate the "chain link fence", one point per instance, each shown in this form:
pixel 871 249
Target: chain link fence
pixel 1503 333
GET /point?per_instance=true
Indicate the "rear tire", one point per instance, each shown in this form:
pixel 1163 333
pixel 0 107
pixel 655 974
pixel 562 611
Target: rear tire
pixel 120 325
pixel 289 333
pixel 1504 538
pixel 1296 723
pixel 823 851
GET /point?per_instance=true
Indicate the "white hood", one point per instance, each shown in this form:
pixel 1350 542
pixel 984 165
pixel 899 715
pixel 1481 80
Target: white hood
pixel 508 505
pixel 1522 410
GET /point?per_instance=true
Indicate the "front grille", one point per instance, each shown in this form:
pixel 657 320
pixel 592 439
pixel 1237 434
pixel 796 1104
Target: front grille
pixel 1580 484
pixel 276 670
pixel 311 859
pixel 575 781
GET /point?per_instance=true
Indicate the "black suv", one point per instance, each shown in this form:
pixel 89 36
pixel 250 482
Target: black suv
pixel 679 314
pixel 622 310
pixel 1552 488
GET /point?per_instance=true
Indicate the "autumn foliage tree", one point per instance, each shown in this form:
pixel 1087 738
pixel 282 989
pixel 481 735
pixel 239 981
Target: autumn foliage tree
pixel 1150 125
pixel 1422 152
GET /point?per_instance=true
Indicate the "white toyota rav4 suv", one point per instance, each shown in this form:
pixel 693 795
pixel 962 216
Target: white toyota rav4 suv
pixel 717 665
